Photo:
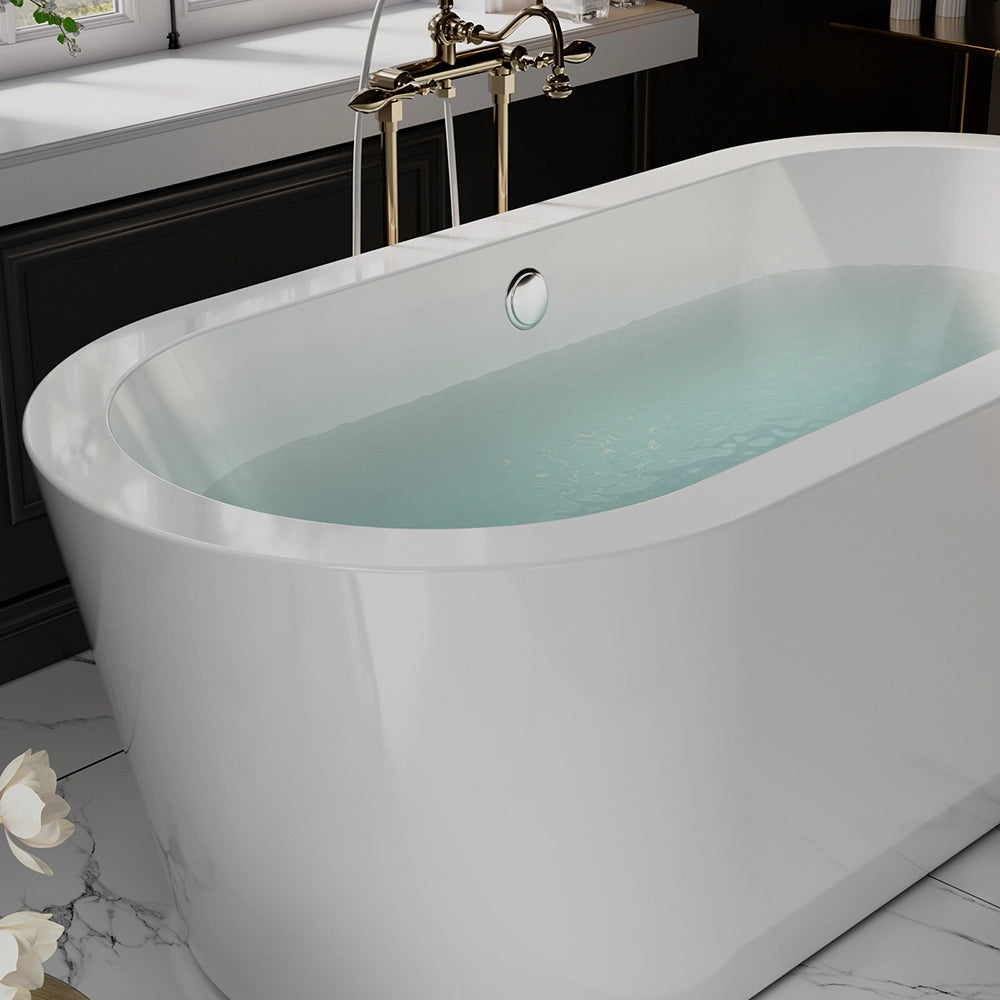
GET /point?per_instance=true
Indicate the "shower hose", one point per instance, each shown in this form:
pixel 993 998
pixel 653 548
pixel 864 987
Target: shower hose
pixel 449 135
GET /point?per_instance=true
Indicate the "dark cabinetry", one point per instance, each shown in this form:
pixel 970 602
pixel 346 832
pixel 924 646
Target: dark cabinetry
pixel 69 279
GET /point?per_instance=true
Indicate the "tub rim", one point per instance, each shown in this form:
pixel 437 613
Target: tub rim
pixel 107 481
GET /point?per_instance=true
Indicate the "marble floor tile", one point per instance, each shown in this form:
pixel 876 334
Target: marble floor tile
pixel 931 941
pixel 109 891
pixel 62 709
pixel 976 870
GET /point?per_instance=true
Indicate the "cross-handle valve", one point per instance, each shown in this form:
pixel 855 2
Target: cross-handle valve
pixel 424 76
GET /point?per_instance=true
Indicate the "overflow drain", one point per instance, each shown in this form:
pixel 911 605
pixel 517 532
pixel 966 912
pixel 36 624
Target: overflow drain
pixel 527 297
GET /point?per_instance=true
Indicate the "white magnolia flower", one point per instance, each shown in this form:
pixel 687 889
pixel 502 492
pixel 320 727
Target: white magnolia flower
pixel 26 940
pixel 30 810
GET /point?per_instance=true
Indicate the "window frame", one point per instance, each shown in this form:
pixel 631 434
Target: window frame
pixel 206 20
pixel 10 33
pixel 193 6
pixel 145 28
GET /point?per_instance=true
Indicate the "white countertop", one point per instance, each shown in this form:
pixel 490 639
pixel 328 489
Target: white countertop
pixel 77 137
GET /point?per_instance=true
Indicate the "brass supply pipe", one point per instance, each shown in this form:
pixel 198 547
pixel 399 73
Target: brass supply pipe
pixel 389 117
pixel 501 87
pixel 965 85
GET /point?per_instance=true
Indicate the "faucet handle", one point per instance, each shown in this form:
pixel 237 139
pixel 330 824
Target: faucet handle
pixel 578 51
pixel 557 85
pixel 367 101
pixel 376 98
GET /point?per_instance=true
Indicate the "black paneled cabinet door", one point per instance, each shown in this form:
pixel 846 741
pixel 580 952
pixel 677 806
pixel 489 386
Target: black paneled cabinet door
pixel 68 279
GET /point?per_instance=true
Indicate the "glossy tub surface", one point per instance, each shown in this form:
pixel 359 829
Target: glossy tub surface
pixel 666 751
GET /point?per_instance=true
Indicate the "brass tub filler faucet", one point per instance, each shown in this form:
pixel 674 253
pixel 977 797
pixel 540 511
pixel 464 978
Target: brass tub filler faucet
pixel 388 87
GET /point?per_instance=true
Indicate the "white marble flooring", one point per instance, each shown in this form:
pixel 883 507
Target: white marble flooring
pixel 941 938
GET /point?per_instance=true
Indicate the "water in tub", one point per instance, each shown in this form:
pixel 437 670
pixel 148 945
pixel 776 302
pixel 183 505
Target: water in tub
pixel 638 412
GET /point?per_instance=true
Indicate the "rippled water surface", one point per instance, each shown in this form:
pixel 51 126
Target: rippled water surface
pixel 638 412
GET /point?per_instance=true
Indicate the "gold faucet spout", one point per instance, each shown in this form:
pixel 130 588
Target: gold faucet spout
pixel 535 10
pixel 558 84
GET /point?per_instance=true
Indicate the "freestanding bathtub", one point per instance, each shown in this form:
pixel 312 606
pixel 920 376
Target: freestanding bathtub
pixel 662 751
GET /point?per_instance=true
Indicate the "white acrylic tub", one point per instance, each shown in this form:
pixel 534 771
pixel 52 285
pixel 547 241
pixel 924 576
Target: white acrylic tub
pixel 666 751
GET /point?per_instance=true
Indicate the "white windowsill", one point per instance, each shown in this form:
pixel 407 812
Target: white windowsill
pixel 78 137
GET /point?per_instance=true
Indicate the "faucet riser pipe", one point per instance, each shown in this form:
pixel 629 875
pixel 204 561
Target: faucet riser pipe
pixel 388 119
pixel 501 87
pixel 501 115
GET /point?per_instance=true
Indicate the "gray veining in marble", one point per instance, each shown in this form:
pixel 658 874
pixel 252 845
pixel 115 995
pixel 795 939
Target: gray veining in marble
pixel 100 920
pixel 109 891
pixel 977 870
pixel 931 941
pixel 62 709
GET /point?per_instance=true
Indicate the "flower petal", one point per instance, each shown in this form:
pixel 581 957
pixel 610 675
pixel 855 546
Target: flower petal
pixel 46 936
pixel 30 925
pixel 28 860
pixel 21 811
pixel 27 939
pixel 55 808
pixel 46 949
pixel 43 773
pixel 7 775
pixel 9 952
pixel 35 773
pixel 30 973
pixel 52 835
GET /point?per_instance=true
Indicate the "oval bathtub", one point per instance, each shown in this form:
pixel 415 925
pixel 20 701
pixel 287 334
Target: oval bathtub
pixel 661 751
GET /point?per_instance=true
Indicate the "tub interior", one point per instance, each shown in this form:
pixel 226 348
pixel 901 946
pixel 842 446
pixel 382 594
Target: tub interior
pixel 212 402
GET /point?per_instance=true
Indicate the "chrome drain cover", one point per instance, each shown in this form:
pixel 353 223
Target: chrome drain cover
pixel 527 297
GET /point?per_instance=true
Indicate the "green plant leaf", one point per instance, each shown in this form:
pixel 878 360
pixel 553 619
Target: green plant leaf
pixel 41 17
pixel 70 25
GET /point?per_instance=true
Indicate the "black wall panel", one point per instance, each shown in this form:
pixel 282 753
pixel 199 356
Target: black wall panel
pixel 68 279
pixel 556 145
pixel 776 68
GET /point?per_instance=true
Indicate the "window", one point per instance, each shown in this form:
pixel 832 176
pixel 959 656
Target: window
pixel 202 20
pixel 24 17
pixel 18 24
pixel 115 28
